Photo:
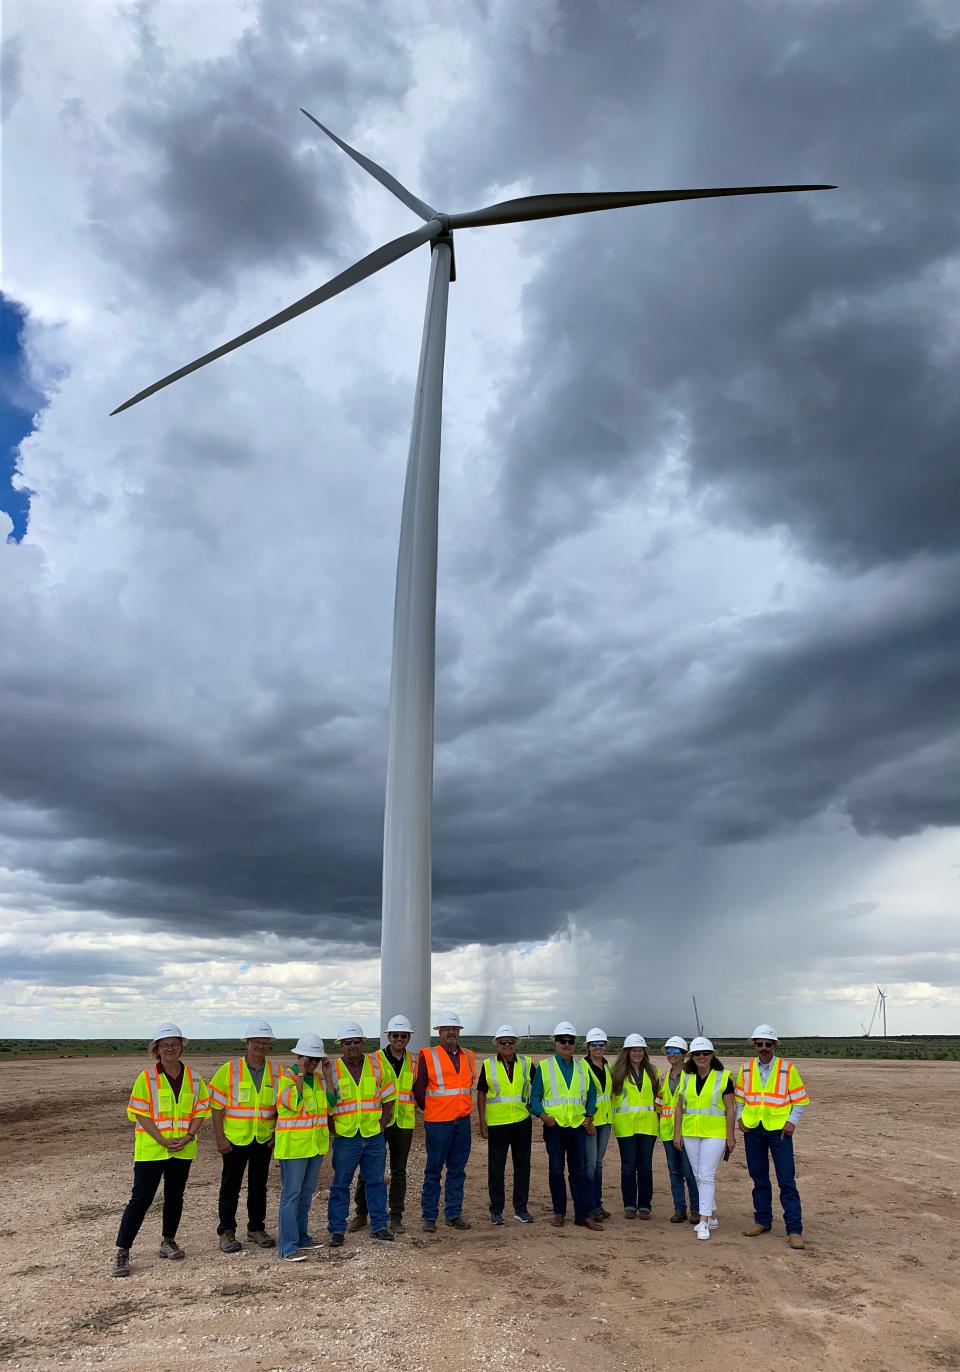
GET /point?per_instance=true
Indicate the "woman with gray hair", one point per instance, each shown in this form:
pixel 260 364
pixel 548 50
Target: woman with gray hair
pixel 167 1106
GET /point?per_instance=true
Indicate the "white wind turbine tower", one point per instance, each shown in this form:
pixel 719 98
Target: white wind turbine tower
pixel 405 935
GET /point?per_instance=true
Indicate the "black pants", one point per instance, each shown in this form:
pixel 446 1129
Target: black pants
pixel 398 1146
pixel 146 1182
pixel 235 1163
pixel 515 1139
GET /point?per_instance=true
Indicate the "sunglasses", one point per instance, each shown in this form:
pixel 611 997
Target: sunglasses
pixel 507 1043
pixel 350 1043
pixel 763 1043
pixel 306 1059
pixel 398 1034
pixel 598 1043
pixel 702 1053
pixel 565 1040
pixel 673 1052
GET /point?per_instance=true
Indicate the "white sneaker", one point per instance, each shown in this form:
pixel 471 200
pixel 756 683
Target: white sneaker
pixel 702 1230
pixel 713 1223
pixel 292 1257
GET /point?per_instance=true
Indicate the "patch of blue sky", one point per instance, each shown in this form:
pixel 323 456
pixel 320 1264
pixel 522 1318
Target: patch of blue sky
pixel 20 403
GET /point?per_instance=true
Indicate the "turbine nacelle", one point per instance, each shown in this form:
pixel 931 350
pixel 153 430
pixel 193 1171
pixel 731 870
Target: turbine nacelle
pixel 438 228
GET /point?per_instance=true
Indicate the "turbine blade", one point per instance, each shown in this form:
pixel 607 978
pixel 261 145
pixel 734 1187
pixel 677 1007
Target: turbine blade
pixel 551 206
pixel 381 257
pixel 411 201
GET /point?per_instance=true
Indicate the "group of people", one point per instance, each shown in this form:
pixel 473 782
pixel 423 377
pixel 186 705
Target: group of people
pixel 366 1103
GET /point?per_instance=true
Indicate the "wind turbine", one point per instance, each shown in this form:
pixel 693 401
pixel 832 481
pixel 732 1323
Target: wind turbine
pixel 406 908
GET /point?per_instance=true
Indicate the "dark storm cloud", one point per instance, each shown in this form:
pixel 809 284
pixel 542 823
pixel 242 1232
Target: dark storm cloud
pixel 224 170
pixel 800 353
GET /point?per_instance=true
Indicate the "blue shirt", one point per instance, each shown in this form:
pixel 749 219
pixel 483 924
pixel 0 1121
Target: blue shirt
pixel 566 1071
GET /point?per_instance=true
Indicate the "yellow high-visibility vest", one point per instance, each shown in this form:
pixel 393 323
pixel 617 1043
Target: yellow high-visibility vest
pixel 604 1111
pixel 667 1102
pixel 508 1093
pixel 769 1103
pixel 566 1104
pixel 152 1098
pixel 360 1102
pixel 248 1114
pixel 302 1127
pixel 404 1116
pixel 635 1109
pixel 704 1114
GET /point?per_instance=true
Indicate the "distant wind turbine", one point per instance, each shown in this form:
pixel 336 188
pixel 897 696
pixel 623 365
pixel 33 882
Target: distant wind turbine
pixel 406 909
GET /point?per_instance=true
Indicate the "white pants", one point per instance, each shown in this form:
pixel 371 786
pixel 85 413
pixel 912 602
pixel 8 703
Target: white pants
pixel 705 1157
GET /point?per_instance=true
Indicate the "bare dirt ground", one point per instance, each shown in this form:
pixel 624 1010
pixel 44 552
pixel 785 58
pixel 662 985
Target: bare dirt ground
pixel 877 1286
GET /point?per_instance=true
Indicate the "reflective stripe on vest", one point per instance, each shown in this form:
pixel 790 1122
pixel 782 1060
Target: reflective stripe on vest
pixel 705 1121
pixel 442 1101
pixel 403 1109
pixel 248 1113
pixel 634 1109
pixel 172 1115
pixel 302 1128
pixel 603 1114
pixel 505 1105
pixel 566 1104
pixel 359 1106
pixel 769 1103
pixel 668 1104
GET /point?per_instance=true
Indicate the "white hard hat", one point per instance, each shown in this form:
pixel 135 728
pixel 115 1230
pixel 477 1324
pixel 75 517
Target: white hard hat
pixel 259 1029
pixel 701 1045
pixel 399 1025
pixel 448 1019
pixel 564 1027
pixel 676 1042
pixel 350 1029
pixel 309 1046
pixel 596 1036
pixel 506 1031
pixel 634 1041
pixel 166 1031
pixel 764 1031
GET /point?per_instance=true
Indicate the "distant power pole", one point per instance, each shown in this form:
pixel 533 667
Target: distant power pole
pixel 696 1016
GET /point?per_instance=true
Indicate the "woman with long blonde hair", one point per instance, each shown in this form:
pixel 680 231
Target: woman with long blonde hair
pixel 636 1125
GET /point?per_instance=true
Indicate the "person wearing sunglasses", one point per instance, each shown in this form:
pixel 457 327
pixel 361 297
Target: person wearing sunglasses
pixel 705 1124
pixel 636 1125
pixel 301 1139
pixel 678 1160
pixel 771 1097
pixel 595 1144
pixel 564 1098
pixel 503 1109
pixel 360 1104
pixel 397 1065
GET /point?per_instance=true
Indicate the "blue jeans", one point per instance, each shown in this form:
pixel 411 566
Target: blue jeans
pixel 298 1181
pixel 760 1145
pixel 448 1146
pixel 370 1155
pixel 678 1165
pixel 565 1158
pixel 594 1147
pixel 636 1171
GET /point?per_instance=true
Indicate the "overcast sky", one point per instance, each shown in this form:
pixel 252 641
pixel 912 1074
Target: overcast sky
pixel 698 688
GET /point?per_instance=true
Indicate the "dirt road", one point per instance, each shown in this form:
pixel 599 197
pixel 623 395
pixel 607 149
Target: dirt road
pixel 878 1286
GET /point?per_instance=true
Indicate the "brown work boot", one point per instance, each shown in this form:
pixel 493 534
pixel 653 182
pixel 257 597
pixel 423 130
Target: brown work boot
pixel 261 1238
pixel 229 1242
pixel 396 1224
pixel 356 1224
pixel 169 1248
pixel 795 1240
pixel 557 1221
pixel 121 1267
pixel 756 1230
pixel 458 1222
pixel 678 1217
pixel 588 1223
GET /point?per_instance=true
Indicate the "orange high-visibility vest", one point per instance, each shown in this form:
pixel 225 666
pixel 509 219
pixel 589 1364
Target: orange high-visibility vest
pixel 449 1091
pixel 769 1104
